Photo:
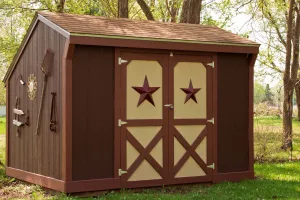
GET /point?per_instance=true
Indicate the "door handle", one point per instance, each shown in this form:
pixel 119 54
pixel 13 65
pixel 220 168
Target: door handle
pixel 169 105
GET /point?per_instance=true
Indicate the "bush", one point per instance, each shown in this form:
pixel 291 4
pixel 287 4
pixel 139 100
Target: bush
pixel 263 109
pixel 267 142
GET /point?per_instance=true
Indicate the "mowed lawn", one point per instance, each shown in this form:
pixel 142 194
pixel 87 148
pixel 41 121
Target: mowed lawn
pixel 274 181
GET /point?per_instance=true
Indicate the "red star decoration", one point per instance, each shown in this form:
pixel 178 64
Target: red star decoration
pixel 146 92
pixel 190 92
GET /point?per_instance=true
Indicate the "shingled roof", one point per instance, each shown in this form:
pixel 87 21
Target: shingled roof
pixel 120 32
pixel 143 29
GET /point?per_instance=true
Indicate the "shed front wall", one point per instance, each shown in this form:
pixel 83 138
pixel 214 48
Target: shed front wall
pixel 93 113
pixel 42 153
pixel 93 107
pixel 233 113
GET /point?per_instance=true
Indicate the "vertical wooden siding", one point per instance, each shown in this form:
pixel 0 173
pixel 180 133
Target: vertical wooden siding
pixel 233 115
pixel 93 113
pixel 37 154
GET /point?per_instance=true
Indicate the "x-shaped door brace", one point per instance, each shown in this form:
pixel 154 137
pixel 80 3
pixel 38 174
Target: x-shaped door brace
pixel 190 151
pixel 144 153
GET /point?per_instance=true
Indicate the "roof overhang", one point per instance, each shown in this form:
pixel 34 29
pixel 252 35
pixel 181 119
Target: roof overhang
pixel 155 43
pixel 131 42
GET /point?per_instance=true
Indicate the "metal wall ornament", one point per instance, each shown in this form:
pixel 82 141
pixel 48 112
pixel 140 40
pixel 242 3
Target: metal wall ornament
pixel 146 92
pixel 190 92
pixel 31 86
pixel 53 121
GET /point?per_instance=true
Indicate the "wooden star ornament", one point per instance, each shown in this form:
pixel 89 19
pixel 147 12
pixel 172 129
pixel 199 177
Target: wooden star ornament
pixel 146 92
pixel 190 92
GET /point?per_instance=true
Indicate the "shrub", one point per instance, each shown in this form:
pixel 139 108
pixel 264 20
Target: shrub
pixel 267 142
pixel 263 109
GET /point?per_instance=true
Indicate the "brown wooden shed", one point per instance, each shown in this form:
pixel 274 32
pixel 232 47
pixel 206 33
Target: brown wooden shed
pixel 96 103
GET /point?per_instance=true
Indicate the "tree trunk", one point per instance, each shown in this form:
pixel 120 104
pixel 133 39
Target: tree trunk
pixel 287 115
pixel 173 9
pixel 288 84
pixel 190 12
pixel 295 65
pixel 146 9
pixel 61 6
pixel 123 8
pixel 297 91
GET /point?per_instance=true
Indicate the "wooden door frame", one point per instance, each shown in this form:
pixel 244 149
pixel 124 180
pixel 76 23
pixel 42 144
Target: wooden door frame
pixel 123 132
pixel 117 131
pixel 211 102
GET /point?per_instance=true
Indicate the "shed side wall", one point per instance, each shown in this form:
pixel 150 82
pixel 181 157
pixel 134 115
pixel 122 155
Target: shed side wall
pixel 233 115
pixel 93 113
pixel 40 154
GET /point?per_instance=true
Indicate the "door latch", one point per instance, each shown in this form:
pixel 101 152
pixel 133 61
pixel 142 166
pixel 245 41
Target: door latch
pixel 212 166
pixel 120 122
pixel 121 172
pixel 122 61
pixel 212 120
pixel 169 105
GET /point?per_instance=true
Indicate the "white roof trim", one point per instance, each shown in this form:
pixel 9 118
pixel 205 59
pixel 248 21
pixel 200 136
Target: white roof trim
pixel 54 26
pixel 22 46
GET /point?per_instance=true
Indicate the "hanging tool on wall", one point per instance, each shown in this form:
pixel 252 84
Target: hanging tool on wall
pixel 17 113
pixel 53 113
pixel 45 67
pixel 27 119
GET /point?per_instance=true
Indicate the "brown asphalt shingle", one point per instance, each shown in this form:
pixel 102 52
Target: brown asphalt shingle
pixel 94 25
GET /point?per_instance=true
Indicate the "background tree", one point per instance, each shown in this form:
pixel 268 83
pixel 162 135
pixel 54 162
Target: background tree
pixel 297 91
pixel 268 95
pixel 123 8
pixel 191 11
pixel 275 24
pixel 259 92
pixel 60 5
pixel 146 9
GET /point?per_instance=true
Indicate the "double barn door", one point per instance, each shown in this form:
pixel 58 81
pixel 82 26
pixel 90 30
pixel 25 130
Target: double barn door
pixel 165 119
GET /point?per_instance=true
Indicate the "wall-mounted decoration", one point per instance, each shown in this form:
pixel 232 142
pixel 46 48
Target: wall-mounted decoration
pixel 47 62
pixel 18 111
pixel 21 80
pixel 53 113
pixel 146 92
pixel 17 123
pixel 190 92
pixel 27 121
pixel 32 86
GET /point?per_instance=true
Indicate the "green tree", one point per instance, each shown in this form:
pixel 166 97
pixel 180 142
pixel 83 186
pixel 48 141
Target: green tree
pixel 259 92
pixel 268 95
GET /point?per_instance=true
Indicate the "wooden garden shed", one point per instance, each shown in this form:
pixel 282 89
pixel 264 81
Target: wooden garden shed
pixel 95 103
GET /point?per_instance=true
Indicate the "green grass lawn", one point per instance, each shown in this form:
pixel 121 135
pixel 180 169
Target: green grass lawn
pixel 274 180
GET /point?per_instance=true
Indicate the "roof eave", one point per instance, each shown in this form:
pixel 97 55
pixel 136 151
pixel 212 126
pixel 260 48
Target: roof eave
pixel 163 40
pixel 174 45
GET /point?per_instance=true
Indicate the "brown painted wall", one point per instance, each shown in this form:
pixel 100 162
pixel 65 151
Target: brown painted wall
pixel 38 154
pixel 93 113
pixel 233 98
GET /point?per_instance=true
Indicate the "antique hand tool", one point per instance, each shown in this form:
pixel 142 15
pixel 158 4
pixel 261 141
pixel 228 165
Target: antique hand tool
pixel 53 113
pixel 46 62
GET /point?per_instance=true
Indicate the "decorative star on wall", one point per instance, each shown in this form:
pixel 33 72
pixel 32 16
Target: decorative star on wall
pixel 146 92
pixel 190 92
